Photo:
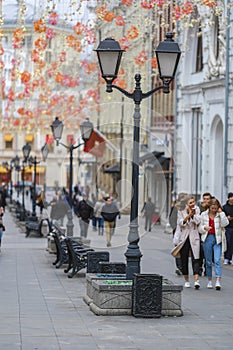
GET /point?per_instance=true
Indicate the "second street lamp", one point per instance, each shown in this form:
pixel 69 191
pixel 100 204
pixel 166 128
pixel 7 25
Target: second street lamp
pixel 109 55
pixel 86 129
pixel 33 161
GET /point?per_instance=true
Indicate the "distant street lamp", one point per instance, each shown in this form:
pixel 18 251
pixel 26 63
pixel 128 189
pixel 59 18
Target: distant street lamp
pixel 17 168
pixel 33 161
pixel 26 151
pixel 109 55
pixel 86 129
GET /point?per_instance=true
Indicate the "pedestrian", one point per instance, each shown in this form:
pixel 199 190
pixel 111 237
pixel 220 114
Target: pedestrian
pixel 211 228
pixel 203 205
pixel 173 215
pixel 59 208
pixel 84 213
pixel 109 213
pixel 2 227
pixel 113 200
pixel 148 209
pixel 228 210
pixel 97 213
pixel 40 201
pixel 188 238
pixel 94 221
pixel 3 195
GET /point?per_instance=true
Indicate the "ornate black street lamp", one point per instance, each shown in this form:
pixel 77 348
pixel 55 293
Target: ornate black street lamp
pixel 33 161
pixel 109 55
pixel 16 161
pixel 26 151
pixel 86 129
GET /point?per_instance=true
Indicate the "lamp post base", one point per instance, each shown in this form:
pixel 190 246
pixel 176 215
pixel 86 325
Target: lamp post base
pixel 133 256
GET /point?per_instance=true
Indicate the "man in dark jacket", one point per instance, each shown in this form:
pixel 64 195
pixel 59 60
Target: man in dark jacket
pixel 109 212
pixel 149 209
pixel 228 210
pixel 84 213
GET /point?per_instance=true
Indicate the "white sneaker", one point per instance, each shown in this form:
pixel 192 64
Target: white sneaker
pixel 197 284
pixel 209 285
pixel 231 262
pixel 217 285
pixel 187 284
pixel 225 262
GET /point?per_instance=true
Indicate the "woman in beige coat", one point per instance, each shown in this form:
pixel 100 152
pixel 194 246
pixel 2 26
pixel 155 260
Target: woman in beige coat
pixel 188 237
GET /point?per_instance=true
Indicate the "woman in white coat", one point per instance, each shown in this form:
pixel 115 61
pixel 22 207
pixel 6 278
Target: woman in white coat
pixel 211 228
pixel 188 237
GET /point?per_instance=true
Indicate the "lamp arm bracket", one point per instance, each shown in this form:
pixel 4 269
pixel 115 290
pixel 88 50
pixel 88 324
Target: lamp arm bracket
pixel 126 93
pixel 80 144
pixel 61 143
pixel 151 92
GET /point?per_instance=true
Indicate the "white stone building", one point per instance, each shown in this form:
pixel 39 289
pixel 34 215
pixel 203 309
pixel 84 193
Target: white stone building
pixel 203 156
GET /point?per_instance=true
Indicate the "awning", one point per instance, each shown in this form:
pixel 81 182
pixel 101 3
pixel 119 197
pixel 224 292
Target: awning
pixel 39 169
pixel 29 138
pixel 163 162
pixel 3 170
pixel 96 144
pixel 150 156
pixel 112 169
pixel 8 137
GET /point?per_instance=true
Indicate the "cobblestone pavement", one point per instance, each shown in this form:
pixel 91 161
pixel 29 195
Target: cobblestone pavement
pixel 40 308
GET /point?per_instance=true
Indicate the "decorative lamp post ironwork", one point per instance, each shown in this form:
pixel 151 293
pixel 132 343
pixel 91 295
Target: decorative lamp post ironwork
pixel 86 129
pixel 109 56
pixel 33 161
pixel 26 152
pixel 17 168
pixel 45 152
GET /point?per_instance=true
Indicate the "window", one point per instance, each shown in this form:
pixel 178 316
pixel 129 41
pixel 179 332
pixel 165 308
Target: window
pixel 8 141
pixel 196 151
pixel 199 52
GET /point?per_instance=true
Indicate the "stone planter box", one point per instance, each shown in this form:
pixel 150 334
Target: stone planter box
pixel 105 298
pixel 88 298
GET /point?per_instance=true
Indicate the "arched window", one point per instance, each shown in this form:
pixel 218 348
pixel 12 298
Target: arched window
pixel 199 51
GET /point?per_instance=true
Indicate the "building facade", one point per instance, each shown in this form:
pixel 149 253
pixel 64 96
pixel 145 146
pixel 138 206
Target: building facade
pixel 203 157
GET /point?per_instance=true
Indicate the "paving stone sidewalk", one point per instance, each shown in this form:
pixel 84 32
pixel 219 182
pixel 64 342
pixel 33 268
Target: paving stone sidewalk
pixel 40 308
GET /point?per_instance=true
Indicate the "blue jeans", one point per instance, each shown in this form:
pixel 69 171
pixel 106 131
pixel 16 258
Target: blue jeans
pixel 209 247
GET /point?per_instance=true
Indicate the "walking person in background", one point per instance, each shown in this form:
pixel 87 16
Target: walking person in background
pixel 97 213
pixel 2 227
pixel 206 197
pixel 173 223
pixel 94 221
pixel 109 213
pixel 3 195
pixel 211 228
pixel 85 213
pixel 188 237
pixel 228 210
pixel 148 209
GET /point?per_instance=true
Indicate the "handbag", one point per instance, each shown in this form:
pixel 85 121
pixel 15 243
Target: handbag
pixel 176 250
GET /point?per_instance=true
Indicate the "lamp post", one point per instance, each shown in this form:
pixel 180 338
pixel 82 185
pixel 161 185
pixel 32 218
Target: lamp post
pixel 109 55
pixel 26 151
pixel 86 130
pixel 33 161
pixel 17 168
